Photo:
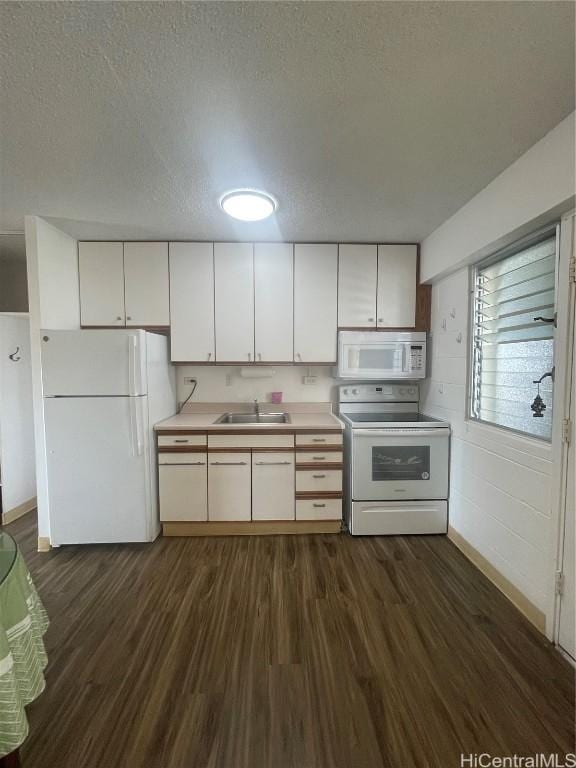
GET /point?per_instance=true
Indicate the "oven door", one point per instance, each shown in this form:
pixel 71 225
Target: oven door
pixel 400 464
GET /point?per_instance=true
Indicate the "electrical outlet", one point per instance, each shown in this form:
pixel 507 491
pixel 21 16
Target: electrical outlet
pixel 309 379
pixel 189 380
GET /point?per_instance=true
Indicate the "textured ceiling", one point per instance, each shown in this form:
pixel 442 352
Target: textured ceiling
pixel 368 121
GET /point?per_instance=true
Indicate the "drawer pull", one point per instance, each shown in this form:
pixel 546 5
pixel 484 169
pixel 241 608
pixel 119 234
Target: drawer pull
pixel 318 477
pixel 319 458
pixel 320 506
pixel 228 463
pixel 318 439
pixel 185 464
pixel 181 441
pixel 272 463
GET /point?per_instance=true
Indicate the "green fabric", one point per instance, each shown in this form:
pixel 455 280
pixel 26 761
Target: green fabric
pixel 23 622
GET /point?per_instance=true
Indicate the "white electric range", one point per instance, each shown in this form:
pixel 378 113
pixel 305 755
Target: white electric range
pixel 396 461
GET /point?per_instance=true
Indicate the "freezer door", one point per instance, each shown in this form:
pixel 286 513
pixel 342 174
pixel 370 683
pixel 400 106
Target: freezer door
pixel 93 362
pixel 98 470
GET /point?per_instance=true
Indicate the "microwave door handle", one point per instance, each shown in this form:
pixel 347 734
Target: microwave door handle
pixel 404 358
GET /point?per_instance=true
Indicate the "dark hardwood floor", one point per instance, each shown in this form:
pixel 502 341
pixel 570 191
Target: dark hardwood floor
pixel 286 652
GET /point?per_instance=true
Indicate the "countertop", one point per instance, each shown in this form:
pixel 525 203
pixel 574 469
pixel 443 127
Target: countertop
pixel 202 416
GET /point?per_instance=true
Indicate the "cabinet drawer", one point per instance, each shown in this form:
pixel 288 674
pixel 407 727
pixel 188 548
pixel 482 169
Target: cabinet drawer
pixel 181 440
pixel 333 438
pixel 183 492
pixel 319 509
pixel 318 457
pixel 319 480
pixel 250 441
pixel 196 459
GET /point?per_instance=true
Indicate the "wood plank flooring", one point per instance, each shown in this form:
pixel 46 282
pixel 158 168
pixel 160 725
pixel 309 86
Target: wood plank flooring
pixel 286 652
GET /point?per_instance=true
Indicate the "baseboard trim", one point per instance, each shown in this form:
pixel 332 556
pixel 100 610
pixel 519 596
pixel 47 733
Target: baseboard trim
pixel 17 512
pixel 534 615
pixel 44 544
pixel 251 527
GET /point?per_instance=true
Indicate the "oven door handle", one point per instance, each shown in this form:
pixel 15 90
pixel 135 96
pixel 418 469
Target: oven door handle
pixel 396 432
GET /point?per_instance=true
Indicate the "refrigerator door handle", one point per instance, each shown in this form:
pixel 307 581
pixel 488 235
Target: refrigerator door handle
pixel 132 417
pixel 138 414
pixel 134 368
pixel 132 365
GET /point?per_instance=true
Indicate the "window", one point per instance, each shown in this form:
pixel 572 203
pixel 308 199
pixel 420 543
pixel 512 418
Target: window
pixel 513 336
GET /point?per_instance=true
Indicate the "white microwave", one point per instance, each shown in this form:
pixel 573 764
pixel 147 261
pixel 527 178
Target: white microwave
pixel 381 355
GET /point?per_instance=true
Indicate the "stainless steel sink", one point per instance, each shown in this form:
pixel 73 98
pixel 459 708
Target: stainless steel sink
pixel 253 418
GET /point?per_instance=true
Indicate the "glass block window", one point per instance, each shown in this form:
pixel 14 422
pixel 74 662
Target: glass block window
pixel 513 336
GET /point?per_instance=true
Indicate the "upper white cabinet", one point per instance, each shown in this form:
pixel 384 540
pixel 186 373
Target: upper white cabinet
pixel 124 284
pixel 315 303
pixel 192 302
pixel 234 302
pixel 357 270
pixel 101 269
pixel 397 275
pixel 273 302
pixel 146 284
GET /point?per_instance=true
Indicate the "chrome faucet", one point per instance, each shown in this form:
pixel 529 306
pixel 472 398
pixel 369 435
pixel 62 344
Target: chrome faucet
pixel 256 409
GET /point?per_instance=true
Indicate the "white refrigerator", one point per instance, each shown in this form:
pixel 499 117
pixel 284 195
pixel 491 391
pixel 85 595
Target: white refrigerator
pixel 103 392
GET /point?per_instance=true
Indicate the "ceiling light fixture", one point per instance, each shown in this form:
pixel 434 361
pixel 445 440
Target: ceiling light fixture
pixel 248 204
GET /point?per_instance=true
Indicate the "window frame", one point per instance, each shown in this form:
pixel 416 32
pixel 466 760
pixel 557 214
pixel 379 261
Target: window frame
pixel 538 236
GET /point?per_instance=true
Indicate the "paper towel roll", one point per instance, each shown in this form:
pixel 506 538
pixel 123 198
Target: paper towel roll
pixel 257 373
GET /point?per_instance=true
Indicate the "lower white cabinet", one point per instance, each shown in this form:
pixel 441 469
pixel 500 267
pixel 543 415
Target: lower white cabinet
pixel 229 486
pixel 183 488
pixel 273 486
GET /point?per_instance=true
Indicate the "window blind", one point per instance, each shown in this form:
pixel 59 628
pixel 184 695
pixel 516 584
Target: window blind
pixel 512 347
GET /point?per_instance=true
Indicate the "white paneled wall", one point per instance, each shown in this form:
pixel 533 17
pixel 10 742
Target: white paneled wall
pixel 500 484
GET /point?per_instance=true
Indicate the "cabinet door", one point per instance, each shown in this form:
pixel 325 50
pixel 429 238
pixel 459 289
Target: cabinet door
pixel 229 486
pixel 146 284
pixel 357 286
pixel 101 270
pixel 274 302
pixel 192 302
pixel 234 308
pixel 397 276
pixel 315 303
pixel 183 490
pixel 273 486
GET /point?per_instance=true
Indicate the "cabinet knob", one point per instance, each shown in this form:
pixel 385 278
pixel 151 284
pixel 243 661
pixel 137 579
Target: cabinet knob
pixel 249 356
pixel 118 318
pixel 370 319
pixel 259 357
pixel 298 356
pixel 209 355
pixel 380 319
pixel 128 317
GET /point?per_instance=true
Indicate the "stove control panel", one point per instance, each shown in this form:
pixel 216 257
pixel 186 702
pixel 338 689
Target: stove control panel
pixel 378 393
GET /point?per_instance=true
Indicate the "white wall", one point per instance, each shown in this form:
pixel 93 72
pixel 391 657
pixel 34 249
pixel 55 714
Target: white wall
pixel 13 286
pixel 223 384
pixel 53 295
pixel 534 190
pixel 501 483
pixel 17 459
